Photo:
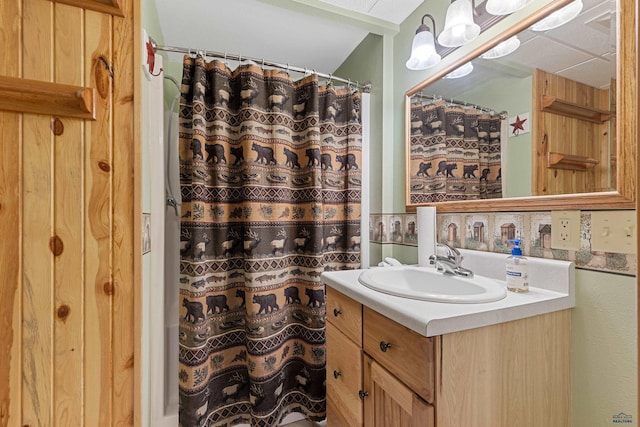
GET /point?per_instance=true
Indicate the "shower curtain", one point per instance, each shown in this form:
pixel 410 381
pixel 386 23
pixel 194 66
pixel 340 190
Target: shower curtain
pixel 455 154
pixel 270 185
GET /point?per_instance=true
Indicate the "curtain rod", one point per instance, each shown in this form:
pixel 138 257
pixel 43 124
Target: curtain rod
pixel 503 114
pixel 366 86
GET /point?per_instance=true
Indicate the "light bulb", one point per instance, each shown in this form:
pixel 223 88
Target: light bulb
pixel 459 27
pixel 559 17
pixel 461 71
pixel 423 50
pixel 505 7
pixel 503 49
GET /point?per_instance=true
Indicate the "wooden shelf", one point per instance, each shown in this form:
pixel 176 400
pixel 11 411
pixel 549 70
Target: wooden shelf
pixel 552 104
pixel 111 7
pixel 571 162
pixel 39 97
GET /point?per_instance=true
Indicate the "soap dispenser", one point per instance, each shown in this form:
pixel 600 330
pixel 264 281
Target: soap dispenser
pixel 516 269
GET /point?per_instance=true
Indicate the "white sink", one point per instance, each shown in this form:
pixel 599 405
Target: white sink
pixel 425 283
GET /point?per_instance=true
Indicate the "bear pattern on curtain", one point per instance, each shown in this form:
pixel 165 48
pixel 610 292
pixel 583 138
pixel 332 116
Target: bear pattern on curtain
pixel 455 154
pixel 270 182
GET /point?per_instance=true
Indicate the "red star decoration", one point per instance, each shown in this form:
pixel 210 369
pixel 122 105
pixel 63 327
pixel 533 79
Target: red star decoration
pixel 518 125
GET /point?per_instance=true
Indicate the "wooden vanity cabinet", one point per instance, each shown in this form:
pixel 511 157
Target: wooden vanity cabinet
pixel 516 373
pixel 389 382
pixel 344 361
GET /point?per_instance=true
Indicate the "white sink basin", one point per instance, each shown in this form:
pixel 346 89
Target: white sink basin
pixel 425 283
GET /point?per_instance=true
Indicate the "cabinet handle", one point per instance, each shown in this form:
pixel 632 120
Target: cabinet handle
pixel 362 394
pixel 337 312
pixel 384 346
pixel 336 374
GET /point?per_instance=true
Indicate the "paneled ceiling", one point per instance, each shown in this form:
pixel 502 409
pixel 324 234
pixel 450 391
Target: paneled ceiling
pixel 583 50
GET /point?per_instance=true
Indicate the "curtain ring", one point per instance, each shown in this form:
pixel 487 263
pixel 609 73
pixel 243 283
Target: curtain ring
pixel 225 59
pixel 330 79
pixel 287 67
pixel 239 58
pixel 262 64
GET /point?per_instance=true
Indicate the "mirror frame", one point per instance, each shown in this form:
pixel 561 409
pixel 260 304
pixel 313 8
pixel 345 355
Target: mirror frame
pixel 626 135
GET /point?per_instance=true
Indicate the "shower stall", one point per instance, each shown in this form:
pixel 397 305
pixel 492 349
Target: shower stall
pixel 161 277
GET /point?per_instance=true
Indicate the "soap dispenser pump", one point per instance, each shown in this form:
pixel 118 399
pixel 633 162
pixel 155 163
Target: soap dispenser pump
pixel 517 269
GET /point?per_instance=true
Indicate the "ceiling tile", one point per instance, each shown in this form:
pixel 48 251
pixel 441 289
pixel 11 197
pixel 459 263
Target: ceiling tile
pixel 595 72
pixel 552 56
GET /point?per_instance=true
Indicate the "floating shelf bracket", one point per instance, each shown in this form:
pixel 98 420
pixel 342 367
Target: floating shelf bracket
pixel 40 97
pixel 551 104
pixel 571 162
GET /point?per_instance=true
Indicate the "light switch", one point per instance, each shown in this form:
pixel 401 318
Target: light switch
pixel 565 230
pixel 613 231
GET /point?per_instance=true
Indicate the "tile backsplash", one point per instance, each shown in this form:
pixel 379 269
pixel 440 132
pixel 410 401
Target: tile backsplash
pixel 490 232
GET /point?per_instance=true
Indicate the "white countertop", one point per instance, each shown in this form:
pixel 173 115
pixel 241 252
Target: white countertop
pixel 551 288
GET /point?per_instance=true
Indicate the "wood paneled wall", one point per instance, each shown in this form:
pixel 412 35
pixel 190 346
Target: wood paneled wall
pixel 66 221
pixel 570 136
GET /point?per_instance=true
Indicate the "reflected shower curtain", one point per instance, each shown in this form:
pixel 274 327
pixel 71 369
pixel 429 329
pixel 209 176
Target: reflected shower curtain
pixel 454 154
pixel 270 183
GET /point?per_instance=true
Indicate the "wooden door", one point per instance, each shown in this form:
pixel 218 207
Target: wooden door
pixel 344 380
pixel 391 403
pixel 67 220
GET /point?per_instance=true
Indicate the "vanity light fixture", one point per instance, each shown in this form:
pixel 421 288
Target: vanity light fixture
pixel 503 49
pixel 505 7
pixel 461 71
pixel 459 28
pixel 559 17
pixel 423 48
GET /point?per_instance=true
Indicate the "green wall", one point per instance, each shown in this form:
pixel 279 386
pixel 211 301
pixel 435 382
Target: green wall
pixel 365 64
pixel 514 96
pixel 604 349
pixel 150 21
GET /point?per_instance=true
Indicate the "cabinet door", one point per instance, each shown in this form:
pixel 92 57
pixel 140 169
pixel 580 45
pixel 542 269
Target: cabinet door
pixel 391 403
pixel 346 314
pixel 344 380
pixel 408 355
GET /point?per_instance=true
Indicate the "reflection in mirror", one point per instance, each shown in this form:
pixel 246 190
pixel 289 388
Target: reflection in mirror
pixel 558 87
pixel 455 150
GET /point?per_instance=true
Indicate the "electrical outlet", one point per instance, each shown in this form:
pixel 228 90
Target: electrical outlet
pixel 565 230
pixel 613 231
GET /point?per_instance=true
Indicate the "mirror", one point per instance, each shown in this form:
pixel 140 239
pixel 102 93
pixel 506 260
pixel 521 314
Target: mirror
pixel 574 156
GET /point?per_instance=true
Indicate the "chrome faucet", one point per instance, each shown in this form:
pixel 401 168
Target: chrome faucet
pixel 449 263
